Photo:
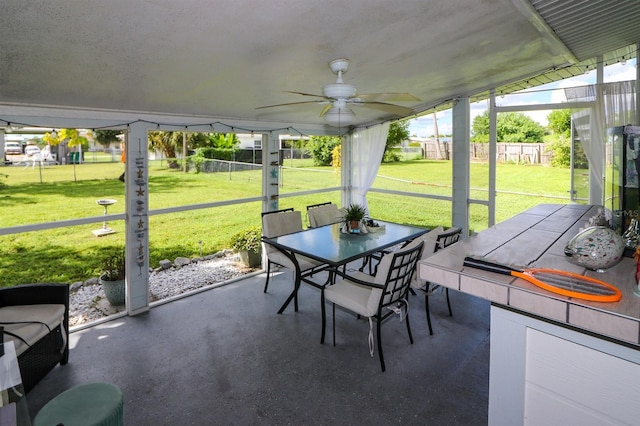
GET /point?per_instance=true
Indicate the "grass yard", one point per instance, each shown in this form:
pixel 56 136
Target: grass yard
pixel 72 254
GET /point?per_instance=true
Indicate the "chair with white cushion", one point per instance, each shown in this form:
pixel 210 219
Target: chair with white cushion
pixel 375 298
pixel 442 239
pixel 282 222
pixel 324 214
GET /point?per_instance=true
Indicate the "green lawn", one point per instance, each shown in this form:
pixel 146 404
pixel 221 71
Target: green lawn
pixel 73 253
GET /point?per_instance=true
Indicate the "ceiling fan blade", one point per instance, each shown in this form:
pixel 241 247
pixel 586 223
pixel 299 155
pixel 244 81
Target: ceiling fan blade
pixel 382 106
pixel 293 103
pixel 305 94
pixel 326 109
pixel 388 97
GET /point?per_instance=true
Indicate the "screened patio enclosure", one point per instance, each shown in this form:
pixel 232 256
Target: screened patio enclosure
pixel 362 152
pixel 117 67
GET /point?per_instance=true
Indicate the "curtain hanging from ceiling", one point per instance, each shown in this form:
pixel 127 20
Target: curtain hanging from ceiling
pixel 615 105
pixel 367 149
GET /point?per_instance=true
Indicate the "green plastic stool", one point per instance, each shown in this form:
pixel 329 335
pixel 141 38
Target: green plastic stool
pixel 98 404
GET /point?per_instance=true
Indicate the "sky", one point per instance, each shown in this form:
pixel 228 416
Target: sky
pixel 548 93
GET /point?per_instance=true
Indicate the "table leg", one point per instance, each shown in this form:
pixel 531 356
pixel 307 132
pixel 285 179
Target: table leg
pixel 324 315
pixel 294 293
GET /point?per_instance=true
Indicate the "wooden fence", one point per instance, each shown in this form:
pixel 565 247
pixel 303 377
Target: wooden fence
pixel 518 153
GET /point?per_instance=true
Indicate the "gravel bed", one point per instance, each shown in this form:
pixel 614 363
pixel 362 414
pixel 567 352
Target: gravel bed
pixel 87 301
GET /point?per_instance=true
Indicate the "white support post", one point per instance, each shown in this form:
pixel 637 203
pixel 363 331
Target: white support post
pixel 346 169
pixel 137 218
pixel 637 123
pixel 461 158
pixel 493 150
pixel 597 134
pixel 2 140
pixel 270 171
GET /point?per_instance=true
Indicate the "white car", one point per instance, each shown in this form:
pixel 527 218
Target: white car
pixel 30 150
pixel 12 148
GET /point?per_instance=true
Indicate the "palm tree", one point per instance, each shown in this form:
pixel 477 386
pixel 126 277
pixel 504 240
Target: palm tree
pixel 167 143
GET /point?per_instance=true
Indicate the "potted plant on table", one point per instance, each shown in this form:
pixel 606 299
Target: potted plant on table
pixel 354 213
pixel 248 244
pixel 112 278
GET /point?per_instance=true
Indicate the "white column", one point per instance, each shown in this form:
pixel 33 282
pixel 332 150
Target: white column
pixel 460 136
pixel 270 171
pixel 2 140
pixel 637 123
pixel 493 144
pixel 137 219
pixel 346 169
pixel 597 133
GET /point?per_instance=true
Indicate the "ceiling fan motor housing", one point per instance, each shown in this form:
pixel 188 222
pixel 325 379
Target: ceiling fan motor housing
pixel 339 91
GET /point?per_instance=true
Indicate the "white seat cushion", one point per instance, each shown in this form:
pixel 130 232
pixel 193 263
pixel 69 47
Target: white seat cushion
pixel 304 262
pixel 27 321
pixel 358 298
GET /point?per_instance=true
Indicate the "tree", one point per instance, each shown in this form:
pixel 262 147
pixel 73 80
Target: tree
pixel 560 125
pixel 510 127
pixel 398 133
pixel 170 143
pixel 106 137
pixel 224 140
pixel 480 128
pixel 321 148
pixel 72 138
pixel 560 122
pixel 167 143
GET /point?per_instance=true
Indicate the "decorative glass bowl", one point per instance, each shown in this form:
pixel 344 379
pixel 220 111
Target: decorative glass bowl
pixel 597 248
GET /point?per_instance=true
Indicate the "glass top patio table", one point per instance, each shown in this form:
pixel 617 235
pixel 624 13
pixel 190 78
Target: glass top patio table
pixel 328 245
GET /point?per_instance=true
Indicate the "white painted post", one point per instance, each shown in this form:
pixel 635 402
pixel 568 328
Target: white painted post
pixel 346 168
pixel 461 181
pixel 270 171
pixel 137 219
pixel 493 142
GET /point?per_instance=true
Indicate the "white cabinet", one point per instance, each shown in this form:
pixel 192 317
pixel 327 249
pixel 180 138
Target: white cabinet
pixel 546 374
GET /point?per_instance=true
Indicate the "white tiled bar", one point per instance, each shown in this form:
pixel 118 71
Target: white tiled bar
pixel 521 311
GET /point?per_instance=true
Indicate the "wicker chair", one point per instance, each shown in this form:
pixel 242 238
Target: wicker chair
pixel 52 348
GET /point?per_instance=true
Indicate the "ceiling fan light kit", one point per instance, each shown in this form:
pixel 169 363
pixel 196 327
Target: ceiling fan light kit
pixel 339 117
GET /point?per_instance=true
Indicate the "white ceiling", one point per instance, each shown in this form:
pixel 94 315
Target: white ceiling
pixel 221 60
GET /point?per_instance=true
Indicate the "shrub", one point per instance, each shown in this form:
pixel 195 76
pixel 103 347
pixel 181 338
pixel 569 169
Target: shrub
pixel 247 240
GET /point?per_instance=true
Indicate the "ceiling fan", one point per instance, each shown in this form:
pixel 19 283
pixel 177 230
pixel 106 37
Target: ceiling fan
pixel 340 95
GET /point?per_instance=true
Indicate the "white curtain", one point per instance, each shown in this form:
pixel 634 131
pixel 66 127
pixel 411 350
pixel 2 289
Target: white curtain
pixel 367 148
pixel 615 105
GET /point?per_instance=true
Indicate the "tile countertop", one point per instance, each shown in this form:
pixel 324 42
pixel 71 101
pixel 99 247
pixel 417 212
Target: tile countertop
pixel 537 238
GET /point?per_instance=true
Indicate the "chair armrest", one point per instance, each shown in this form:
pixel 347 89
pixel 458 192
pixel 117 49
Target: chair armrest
pixel 39 294
pixel 35 294
pixel 357 280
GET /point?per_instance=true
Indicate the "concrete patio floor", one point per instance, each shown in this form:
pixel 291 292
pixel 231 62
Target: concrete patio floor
pixel 224 357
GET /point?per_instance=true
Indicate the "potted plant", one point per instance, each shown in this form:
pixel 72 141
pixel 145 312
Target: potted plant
pixel 354 213
pixel 112 278
pixel 248 244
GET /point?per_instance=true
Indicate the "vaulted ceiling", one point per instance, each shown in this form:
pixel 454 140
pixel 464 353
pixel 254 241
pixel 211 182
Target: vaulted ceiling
pixel 221 60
